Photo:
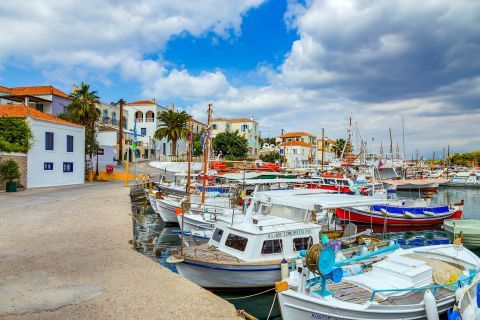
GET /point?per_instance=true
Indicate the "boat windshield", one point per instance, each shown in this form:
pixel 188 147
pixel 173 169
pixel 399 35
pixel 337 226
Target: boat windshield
pixel 288 212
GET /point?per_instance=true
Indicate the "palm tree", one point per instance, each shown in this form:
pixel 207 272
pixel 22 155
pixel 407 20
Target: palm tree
pixel 175 127
pixel 83 109
pixel 339 145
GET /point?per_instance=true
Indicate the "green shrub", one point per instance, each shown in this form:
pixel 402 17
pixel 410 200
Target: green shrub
pixel 9 170
pixel 15 135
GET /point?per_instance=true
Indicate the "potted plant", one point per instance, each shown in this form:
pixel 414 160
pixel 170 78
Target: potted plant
pixel 9 172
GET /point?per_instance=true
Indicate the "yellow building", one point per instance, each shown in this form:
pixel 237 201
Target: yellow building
pixel 246 127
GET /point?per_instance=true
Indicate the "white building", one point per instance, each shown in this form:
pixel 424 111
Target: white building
pixel 57 156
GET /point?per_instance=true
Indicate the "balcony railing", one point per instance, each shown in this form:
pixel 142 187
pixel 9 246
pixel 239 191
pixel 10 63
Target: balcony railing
pixel 138 120
pixel 113 122
pixel 149 119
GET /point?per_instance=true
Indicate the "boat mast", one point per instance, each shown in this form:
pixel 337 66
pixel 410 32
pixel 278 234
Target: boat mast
pixel 206 153
pixel 186 205
pixel 403 141
pixel 391 147
pixel 323 145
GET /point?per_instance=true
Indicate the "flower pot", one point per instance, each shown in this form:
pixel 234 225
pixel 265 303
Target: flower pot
pixel 11 186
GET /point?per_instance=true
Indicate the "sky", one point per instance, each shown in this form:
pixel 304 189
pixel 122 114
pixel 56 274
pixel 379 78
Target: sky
pixel 292 65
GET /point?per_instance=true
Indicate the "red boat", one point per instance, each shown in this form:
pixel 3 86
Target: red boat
pixel 401 215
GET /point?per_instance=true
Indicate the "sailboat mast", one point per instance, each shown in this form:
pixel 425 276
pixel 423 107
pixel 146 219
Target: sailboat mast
pixel 403 139
pixel 206 153
pixel 323 145
pixel 391 147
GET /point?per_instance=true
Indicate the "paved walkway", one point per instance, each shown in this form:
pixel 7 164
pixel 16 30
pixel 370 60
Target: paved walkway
pixel 64 254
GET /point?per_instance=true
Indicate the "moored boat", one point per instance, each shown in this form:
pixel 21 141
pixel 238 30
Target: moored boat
pixel 468 230
pixel 408 284
pixel 399 213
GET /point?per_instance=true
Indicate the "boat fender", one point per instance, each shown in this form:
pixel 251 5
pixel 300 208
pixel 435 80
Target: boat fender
pixel 409 214
pixel 299 263
pixel 284 269
pixel 429 213
pixel 174 260
pixel 299 280
pixel 364 250
pixel 430 306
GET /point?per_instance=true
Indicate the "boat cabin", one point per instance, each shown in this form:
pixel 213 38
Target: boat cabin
pixel 266 238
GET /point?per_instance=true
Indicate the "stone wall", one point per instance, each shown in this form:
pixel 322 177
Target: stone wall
pixel 21 159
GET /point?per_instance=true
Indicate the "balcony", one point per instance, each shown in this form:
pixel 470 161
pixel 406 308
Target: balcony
pixel 149 119
pixel 138 120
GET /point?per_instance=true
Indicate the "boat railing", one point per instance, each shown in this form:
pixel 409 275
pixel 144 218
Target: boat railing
pixel 456 284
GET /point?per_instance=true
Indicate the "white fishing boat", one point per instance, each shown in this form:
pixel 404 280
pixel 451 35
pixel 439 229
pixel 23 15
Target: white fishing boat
pixel 468 230
pixel 416 283
pixel 472 180
pixel 249 254
pixel 204 216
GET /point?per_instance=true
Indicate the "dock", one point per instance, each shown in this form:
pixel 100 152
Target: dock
pixel 65 254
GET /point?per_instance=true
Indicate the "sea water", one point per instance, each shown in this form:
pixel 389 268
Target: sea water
pixel 259 305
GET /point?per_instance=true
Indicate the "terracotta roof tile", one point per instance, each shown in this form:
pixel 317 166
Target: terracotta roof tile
pixel 231 120
pixel 296 134
pixel 4 89
pixel 142 103
pixel 21 111
pixel 295 144
pixel 38 90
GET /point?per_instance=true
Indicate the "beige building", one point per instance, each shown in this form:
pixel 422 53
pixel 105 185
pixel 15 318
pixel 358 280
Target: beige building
pixel 246 127
pixel 297 148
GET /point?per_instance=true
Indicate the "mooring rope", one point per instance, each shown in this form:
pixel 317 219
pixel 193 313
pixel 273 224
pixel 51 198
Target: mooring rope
pixel 249 296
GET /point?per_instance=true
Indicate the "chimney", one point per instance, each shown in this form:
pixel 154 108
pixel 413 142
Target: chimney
pixel 74 88
pixel 154 101
pixel 251 117
pixel 172 107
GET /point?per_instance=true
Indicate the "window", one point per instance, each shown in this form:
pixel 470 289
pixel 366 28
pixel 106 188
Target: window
pixel 69 143
pixel 294 151
pixel 48 166
pixel 214 127
pixel 244 127
pixel 236 242
pixel 302 243
pixel 39 106
pixel 143 131
pixel 272 246
pixel 68 167
pixel 48 140
pixel 217 234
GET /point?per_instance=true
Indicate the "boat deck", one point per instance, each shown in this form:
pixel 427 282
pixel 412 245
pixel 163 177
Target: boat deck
pixel 206 253
pixel 352 293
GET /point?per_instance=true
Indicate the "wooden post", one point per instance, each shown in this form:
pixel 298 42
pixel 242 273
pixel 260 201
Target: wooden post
pixel 205 153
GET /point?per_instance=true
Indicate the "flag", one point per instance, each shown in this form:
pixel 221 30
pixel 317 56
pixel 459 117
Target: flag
pixel 135 135
pixel 204 140
pixel 380 164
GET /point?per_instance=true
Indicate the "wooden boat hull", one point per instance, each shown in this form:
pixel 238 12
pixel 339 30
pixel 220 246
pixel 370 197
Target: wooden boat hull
pixel 153 202
pixel 296 306
pixel 167 211
pixel 366 217
pixel 223 276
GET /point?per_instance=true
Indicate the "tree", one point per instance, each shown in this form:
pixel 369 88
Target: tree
pixel 175 127
pixel 197 148
pixel 9 170
pixel 339 145
pixel 15 135
pixel 83 110
pixel 271 156
pixel 231 145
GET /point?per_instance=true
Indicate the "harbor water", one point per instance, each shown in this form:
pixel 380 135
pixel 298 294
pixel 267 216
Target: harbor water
pixel 258 304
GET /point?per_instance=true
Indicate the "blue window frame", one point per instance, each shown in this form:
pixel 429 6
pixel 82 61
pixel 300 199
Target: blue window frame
pixel 143 131
pixel 48 166
pixel 68 167
pixel 69 143
pixel 48 140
